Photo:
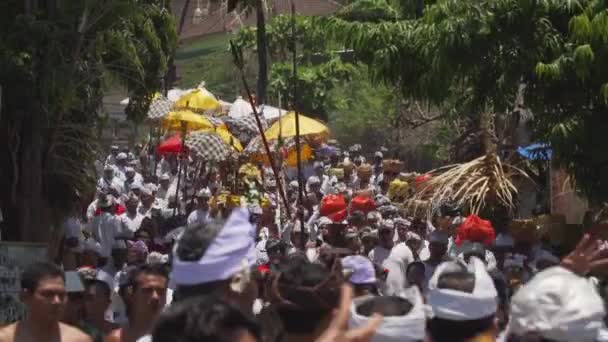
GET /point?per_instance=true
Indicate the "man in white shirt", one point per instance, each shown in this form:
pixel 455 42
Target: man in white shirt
pixel 200 215
pixel 132 178
pixel 131 218
pixel 121 165
pixel 106 227
pixel 163 190
pixel 109 180
pixel 111 158
pixel 385 243
pixel 147 202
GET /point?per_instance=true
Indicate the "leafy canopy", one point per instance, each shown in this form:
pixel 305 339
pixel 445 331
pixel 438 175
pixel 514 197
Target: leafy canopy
pixel 481 56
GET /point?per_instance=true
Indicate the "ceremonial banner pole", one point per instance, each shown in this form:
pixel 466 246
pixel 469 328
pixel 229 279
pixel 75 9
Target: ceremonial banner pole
pixel 297 117
pixel 238 61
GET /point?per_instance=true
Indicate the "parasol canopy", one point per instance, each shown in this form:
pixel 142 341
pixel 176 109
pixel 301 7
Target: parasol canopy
pixel 171 145
pixel 255 149
pixel 199 99
pixel 227 137
pixel 239 108
pixel 245 127
pixel 194 121
pixel 286 127
pixel 159 107
pixel 208 145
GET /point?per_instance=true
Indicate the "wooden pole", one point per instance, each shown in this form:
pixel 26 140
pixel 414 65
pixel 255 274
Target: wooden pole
pixel 297 118
pixel 239 64
pixel 179 166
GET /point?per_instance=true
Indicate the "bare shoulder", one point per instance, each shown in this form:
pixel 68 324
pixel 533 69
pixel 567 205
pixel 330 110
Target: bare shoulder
pixel 70 333
pixel 114 336
pixel 7 333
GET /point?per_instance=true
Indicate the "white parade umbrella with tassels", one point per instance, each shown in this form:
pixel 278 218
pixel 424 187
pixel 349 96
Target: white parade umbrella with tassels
pixel 240 108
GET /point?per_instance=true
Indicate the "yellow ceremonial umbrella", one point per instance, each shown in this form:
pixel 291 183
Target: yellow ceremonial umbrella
pixel 286 127
pixel 227 137
pixel 199 99
pixel 192 121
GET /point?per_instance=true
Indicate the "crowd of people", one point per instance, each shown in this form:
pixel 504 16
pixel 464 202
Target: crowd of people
pixel 219 256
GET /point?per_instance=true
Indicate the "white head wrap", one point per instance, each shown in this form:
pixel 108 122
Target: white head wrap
pixel 410 327
pixel 313 180
pixel 559 305
pixel 92 246
pixel 157 258
pixel 324 220
pixel 457 305
pixel 232 250
pixel 204 193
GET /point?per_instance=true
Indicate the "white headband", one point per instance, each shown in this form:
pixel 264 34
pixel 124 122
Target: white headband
pixel 410 327
pixel 462 306
pixel 230 251
pixel 558 305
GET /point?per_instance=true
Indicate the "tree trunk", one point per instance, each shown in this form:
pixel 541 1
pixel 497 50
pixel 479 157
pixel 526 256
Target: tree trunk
pixel 262 53
pixel 33 214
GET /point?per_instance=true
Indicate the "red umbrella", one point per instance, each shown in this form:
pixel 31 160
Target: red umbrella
pixel 171 145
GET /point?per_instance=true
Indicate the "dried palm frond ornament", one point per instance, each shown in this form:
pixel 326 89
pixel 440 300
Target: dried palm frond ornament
pixel 474 185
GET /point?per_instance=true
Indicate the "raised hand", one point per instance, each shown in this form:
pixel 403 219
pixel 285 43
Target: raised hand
pixel 338 328
pixel 589 255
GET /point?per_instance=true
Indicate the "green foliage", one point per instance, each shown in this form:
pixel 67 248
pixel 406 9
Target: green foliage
pixel 369 11
pixel 319 67
pixel 54 65
pixel 475 56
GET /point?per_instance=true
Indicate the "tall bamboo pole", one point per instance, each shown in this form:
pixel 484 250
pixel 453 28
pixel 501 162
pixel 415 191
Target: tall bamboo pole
pixel 238 61
pixel 297 117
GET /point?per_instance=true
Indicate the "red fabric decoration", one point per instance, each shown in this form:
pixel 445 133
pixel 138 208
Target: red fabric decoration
pixel 119 209
pixel 420 180
pixel 334 207
pixel 263 269
pixel 171 145
pixel 362 203
pixel 474 229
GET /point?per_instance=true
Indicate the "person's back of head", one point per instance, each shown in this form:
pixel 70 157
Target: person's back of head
pixel 208 319
pixel 557 305
pixel 217 258
pixel 463 301
pixel 191 247
pixel 387 306
pixel 403 316
pixel 306 294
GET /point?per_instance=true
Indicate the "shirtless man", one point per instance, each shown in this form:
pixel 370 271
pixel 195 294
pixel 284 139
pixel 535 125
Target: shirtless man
pixel 44 295
pixel 145 297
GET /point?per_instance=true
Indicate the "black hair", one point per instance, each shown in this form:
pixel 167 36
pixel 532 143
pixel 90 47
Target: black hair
pixel 463 281
pixel 154 269
pixel 100 287
pixel 413 264
pixel 34 273
pixel 306 309
pixel 192 247
pixel 197 238
pixel 445 330
pixel 385 305
pixel 209 319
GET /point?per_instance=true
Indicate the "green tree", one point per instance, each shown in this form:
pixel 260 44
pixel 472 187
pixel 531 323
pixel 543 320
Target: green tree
pixel 319 64
pixel 55 61
pixel 482 57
